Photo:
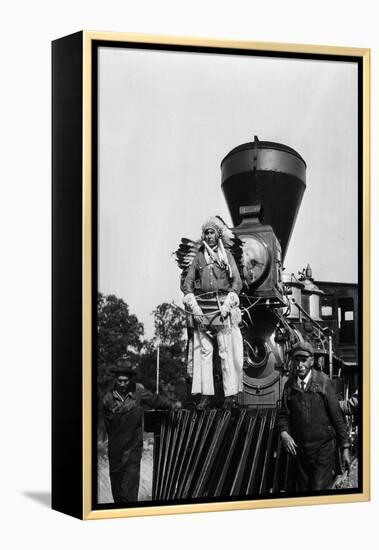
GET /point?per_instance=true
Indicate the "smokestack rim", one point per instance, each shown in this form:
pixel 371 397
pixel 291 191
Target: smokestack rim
pixel 263 145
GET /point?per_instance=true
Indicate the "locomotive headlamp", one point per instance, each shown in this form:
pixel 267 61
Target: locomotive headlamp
pixel 256 259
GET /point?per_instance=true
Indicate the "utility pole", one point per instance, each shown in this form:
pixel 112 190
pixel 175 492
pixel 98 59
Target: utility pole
pixel 330 357
pixel 157 381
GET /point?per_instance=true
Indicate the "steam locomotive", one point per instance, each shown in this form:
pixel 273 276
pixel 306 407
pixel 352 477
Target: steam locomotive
pixel 264 183
pixel 237 453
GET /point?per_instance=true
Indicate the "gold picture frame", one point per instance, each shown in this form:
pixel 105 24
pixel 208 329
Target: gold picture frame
pixel 75 208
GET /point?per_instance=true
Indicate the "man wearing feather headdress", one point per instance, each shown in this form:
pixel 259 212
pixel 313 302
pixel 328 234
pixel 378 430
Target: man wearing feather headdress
pixel 211 287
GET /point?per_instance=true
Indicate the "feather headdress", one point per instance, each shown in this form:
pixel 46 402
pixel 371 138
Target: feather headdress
pixel 222 230
pixel 188 248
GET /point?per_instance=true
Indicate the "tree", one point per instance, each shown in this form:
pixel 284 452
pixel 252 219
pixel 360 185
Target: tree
pixel 170 324
pixel 118 331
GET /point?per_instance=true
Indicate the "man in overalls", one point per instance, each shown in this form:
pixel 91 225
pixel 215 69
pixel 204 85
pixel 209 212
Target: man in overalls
pixel 311 423
pixel 123 417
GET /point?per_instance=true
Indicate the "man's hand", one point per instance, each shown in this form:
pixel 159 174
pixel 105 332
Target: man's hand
pixel 199 321
pixel 190 302
pixel 346 459
pixel 199 318
pixel 289 443
pixel 224 311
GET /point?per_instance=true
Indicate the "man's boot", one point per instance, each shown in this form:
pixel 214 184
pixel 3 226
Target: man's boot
pixel 230 402
pixel 204 403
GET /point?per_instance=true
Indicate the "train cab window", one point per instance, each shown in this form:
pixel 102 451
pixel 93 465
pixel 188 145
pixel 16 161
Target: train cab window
pixel 346 320
pixel 327 303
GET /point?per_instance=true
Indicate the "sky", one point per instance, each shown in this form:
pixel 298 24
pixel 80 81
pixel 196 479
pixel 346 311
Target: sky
pixel 166 121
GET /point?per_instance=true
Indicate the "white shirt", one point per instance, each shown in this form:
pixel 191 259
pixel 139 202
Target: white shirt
pixel 305 380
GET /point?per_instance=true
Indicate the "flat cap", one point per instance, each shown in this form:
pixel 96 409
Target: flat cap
pixel 123 367
pixel 303 348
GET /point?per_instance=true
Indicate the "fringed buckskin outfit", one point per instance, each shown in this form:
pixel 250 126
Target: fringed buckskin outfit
pixel 211 290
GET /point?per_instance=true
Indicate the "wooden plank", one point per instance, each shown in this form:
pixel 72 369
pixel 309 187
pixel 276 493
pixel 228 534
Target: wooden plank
pixel 236 485
pixel 200 444
pixel 262 421
pixel 220 485
pixel 269 458
pixel 214 447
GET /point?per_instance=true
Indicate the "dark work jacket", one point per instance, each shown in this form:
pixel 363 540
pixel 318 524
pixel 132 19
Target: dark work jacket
pixel 123 417
pixel 313 416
